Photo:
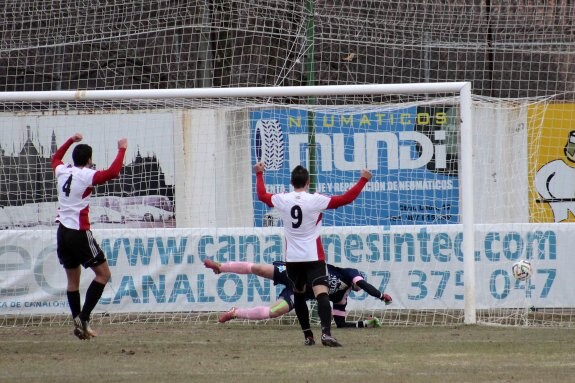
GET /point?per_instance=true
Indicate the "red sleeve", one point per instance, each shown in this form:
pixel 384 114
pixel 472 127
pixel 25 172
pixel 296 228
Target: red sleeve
pixel 263 196
pixel 57 159
pixel 349 196
pixel 112 172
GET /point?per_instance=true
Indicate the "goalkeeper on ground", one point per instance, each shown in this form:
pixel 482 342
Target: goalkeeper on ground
pixel 341 282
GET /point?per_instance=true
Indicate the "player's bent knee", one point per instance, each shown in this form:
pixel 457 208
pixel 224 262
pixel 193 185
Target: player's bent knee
pixel 321 281
pixel 103 273
pixel 322 295
pixel 299 291
pixel 320 289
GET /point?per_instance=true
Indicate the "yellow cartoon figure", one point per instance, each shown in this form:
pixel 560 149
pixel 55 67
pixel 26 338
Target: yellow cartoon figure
pixel 555 183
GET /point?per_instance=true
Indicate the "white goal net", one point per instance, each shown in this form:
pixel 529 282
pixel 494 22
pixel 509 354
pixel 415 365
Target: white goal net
pixel 446 171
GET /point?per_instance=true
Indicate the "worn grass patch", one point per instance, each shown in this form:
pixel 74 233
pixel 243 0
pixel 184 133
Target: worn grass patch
pixel 152 353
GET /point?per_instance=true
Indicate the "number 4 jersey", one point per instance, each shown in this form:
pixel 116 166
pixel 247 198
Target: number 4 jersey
pixel 74 186
pixel 74 189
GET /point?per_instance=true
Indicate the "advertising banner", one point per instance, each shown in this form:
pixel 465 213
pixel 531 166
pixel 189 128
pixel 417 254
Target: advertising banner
pixel 552 161
pixel 411 152
pixel 421 267
pixel 142 196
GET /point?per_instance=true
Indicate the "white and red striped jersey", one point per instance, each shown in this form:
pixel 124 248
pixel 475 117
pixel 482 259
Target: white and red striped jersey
pixel 301 213
pixel 75 184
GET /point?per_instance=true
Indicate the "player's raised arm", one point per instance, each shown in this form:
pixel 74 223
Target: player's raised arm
pixel 263 195
pixel 114 170
pixel 59 155
pixel 122 143
pixel 351 194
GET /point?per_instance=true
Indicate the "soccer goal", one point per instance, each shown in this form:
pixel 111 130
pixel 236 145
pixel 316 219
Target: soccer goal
pixel 456 198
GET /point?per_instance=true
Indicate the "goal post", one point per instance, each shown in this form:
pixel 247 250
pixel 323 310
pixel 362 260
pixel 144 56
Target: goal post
pixel 468 218
pixel 187 193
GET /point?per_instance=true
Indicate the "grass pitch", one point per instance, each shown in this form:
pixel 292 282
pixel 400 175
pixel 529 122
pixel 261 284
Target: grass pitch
pixel 153 353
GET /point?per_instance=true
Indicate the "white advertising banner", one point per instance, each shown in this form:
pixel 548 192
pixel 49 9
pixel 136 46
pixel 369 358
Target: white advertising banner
pixel 421 267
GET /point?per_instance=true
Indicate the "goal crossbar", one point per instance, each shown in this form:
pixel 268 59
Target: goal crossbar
pixel 325 90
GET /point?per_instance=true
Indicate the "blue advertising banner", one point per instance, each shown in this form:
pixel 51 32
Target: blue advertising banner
pixel 411 151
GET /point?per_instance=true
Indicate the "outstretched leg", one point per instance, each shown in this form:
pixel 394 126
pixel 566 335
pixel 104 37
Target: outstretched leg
pixel 279 308
pixel 262 270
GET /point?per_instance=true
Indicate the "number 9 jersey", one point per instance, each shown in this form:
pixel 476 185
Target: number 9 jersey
pixel 301 213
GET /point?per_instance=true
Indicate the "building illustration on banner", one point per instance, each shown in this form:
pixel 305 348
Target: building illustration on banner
pixel 28 195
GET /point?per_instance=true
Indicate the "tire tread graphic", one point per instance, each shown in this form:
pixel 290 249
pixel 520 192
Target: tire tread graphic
pixel 272 144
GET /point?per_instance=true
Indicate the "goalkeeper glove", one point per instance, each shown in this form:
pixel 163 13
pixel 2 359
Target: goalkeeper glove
pixel 371 323
pixel 386 298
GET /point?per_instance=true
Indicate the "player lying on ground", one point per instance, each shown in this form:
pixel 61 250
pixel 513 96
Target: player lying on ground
pixel 342 281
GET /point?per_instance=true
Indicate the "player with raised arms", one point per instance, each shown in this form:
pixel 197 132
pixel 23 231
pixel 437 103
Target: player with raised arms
pixel 75 244
pixel 301 214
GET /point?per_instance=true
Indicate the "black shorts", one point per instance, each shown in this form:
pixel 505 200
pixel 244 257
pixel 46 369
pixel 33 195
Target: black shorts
pixel 312 273
pixel 280 274
pixel 78 247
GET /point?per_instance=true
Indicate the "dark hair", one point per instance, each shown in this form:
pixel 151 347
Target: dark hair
pixel 299 177
pixel 82 154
